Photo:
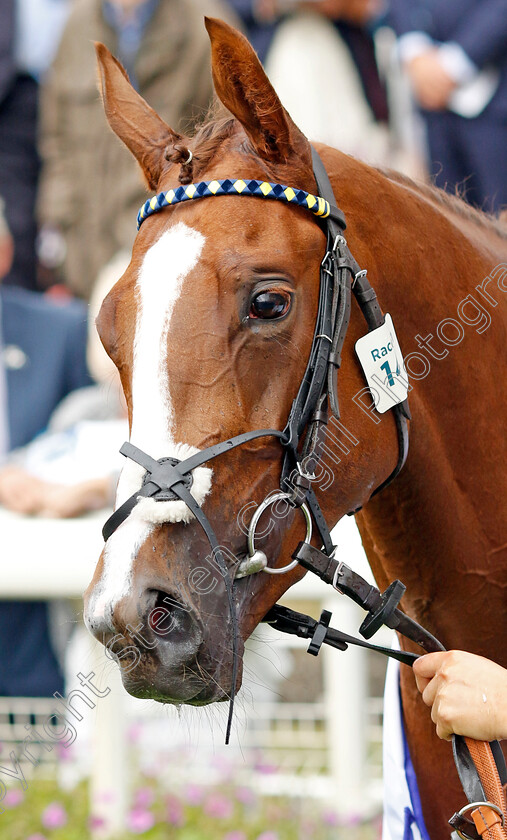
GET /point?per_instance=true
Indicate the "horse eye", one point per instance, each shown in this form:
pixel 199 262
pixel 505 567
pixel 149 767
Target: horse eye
pixel 270 305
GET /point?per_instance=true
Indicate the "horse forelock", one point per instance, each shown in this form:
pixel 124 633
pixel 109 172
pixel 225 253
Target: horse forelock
pixel 216 135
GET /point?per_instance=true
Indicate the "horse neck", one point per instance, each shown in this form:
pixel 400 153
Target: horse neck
pixel 440 526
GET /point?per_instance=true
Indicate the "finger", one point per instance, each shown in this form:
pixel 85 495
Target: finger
pixel 440 719
pixel 421 682
pixel 430 693
pixel 444 731
pixel 428 665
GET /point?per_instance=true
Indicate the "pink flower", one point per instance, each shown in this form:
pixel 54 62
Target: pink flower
pixel 95 822
pixel 36 837
pixel 331 818
pixel 246 796
pixel 175 814
pixel 139 820
pixel 223 765
pixel 144 797
pixel 54 816
pixel 235 835
pixel 194 794
pixel 13 798
pixel 134 732
pixel 219 807
pixel 264 767
pixel 268 835
pixel 65 753
pixel 353 820
pixel 106 796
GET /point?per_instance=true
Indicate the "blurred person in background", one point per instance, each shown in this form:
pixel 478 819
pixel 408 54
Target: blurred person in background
pixel 320 57
pixel 73 467
pixel 42 359
pixel 91 189
pixel 29 34
pixel 455 54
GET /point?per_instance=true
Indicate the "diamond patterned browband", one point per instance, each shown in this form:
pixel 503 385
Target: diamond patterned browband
pixel 262 189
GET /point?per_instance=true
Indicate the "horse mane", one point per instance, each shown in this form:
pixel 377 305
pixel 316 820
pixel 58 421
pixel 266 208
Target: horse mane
pixel 213 132
pixel 455 203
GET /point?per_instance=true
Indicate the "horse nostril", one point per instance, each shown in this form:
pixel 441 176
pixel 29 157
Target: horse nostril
pixel 169 618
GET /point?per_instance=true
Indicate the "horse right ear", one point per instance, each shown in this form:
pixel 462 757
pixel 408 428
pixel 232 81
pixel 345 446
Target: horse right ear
pixel 131 118
pixel 243 87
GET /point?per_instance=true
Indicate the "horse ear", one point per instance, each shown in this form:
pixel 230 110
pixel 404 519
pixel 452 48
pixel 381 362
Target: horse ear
pixel 131 118
pixel 244 88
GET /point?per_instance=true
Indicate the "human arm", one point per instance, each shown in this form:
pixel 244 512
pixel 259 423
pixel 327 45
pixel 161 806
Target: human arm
pixel 29 495
pixel 55 197
pixel 6 244
pixel 354 11
pixel 482 33
pixel 467 694
pixel 431 81
pixel 247 10
pixel 75 367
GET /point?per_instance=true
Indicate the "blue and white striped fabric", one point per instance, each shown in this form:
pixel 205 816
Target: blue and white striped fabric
pixel 403 817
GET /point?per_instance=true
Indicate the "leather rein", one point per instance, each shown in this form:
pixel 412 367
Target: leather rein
pixel 302 440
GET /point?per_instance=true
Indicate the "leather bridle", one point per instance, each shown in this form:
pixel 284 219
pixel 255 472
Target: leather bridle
pixel 302 440
pixel 170 479
pixel 303 436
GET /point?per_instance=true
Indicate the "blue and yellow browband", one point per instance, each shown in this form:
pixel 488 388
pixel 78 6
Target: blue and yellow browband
pixel 262 189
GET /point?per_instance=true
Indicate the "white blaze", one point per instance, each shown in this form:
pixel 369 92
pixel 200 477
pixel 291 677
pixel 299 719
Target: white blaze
pixel 159 285
pixel 165 267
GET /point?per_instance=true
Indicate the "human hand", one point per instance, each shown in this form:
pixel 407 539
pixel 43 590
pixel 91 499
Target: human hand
pixel 357 12
pixel 467 694
pixel 6 252
pixel 267 10
pixel 431 84
pixel 6 243
pixel 26 494
pixel 61 501
pixel 20 491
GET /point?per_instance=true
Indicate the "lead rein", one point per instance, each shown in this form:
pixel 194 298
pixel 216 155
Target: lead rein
pixel 481 766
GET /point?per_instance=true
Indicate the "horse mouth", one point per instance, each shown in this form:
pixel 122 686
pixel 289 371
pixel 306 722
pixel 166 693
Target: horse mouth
pixel 181 683
pixel 187 691
pixel 186 662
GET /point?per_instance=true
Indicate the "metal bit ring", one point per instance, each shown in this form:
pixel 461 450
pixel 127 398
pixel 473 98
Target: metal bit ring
pixel 472 806
pixel 268 501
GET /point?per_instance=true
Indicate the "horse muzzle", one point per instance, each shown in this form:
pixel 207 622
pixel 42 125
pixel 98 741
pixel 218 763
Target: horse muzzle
pixel 165 649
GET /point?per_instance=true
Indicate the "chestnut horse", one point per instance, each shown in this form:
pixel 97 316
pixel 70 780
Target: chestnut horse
pixel 211 327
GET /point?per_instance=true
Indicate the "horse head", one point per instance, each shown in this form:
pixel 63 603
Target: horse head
pixel 211 328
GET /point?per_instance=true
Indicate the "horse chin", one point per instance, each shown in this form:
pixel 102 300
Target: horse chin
pixel 195 683
pixel 185 694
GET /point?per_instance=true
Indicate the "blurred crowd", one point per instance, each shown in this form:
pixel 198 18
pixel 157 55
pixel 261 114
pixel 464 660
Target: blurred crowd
pixel 362 75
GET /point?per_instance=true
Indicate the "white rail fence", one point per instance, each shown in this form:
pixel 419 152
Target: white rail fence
pixel 316 722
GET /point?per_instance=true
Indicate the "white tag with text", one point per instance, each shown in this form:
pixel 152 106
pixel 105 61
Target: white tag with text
pixel 382 362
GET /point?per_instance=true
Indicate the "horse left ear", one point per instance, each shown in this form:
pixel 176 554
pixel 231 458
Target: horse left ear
pixel 244 88
pixel 131 118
